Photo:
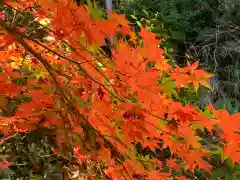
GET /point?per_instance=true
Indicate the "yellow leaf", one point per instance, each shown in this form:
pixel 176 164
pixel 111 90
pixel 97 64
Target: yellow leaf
pixel 205 84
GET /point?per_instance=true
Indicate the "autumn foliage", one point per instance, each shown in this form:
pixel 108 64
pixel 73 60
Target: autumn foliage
pixel 103 106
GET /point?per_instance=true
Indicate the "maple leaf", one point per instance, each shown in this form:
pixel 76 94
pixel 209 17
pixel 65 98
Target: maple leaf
pixel 193 158
pixel 6 40
pixel 171 163
pixel 119 18
pixel 115 172
pixel 163 66
pixel 152 52
pixel 229 123
pixel 193 66
pixel 183 70
pixel 149 38
pixel 106 28
pixel 134 129
pixel 181 79
pixel 196 76
pixel 4 55
pixel 134 166
pixel 127 31
pixel 187 113
pixel 103 107
pixel 105 155
pixel 116 119
pixel 199 76
pixel 11 90
pixel 4 77
pixel 147 79
pixel 152 144
pixel 98 37
pixel 231 149
pixel 188 134
pixel 168 141
pixel 121 147
pixel 203 165
pixel 101 124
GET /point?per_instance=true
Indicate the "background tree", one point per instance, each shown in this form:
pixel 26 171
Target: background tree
pixel 204 30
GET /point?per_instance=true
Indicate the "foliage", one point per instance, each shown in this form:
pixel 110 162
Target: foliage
pixel 200 29
pixel 120 113
pixel 185 18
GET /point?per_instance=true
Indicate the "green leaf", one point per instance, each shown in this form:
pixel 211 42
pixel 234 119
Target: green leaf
pixel 207 113
pixel 168 56
pixel 134 17
pixel 139 24
pixel 142 20
pixel 169 88
pixel 145 12
pixel 148 22
pixel 96 12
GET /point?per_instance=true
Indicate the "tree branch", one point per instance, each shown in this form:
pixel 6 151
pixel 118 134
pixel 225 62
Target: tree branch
pixel 19 38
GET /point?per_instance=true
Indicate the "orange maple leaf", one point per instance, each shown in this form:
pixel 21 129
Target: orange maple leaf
pixel 188 134
pixel 163 66
pixel 199 76
pixel 119 18
pixel 171 163
pixel 149 38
